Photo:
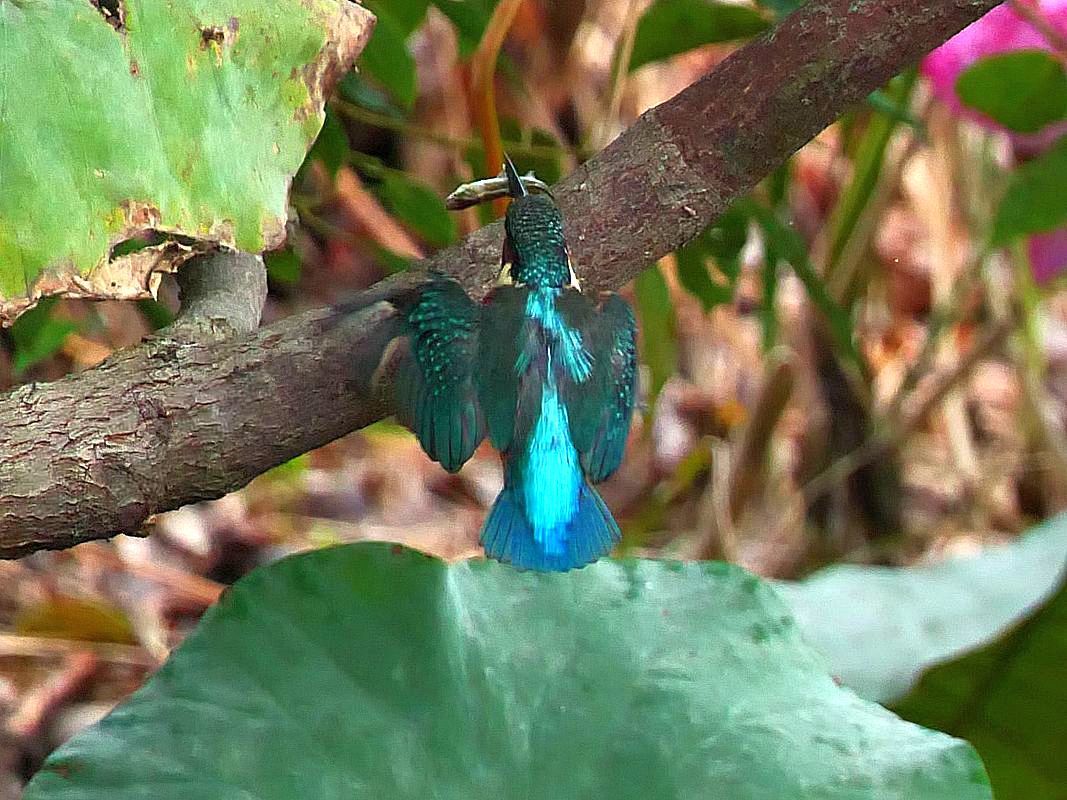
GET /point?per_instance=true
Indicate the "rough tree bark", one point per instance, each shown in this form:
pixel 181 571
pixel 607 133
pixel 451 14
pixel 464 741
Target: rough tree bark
pixel 182 419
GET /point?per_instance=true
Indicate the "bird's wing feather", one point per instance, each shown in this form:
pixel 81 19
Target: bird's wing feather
pixel 503 324
pixel 600 407
pixel 436 393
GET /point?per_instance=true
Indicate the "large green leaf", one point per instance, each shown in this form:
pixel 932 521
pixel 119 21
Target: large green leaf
pixel 1009 699
pixel 881 627
pixel 370 671
pixel 1035 201
pixel 1024 90
pixel 186 117
pixel 669 27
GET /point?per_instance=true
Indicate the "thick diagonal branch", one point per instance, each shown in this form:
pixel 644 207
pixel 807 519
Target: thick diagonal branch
pixel 175 421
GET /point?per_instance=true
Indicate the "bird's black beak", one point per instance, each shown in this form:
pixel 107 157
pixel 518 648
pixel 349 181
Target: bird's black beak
pixel 515 185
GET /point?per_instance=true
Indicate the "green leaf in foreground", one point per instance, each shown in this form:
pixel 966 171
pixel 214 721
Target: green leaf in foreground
pixel 190 120
pixel 1035 201
pixel 1009 700
pixel 370 671
pixel 670 27
pixel 1024 90
pixel 881 627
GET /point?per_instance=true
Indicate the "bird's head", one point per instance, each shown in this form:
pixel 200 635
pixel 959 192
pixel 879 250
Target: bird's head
pixel 535 252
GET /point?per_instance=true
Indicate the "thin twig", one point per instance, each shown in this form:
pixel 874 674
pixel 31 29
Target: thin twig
pixel 189 586
pixel 310 219
pixel 37 707
pixel 881 447
pixel 623 53
pixel 1042 434
pixel 736 480
pixel 14 646
pixel 363 208
pixel 944 317
pixel 483 88
pixel 386 122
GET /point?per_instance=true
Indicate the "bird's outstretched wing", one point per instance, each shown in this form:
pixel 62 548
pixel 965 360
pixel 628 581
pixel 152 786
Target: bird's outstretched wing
pixel 600 407
pixel 503 318
pixel 436 392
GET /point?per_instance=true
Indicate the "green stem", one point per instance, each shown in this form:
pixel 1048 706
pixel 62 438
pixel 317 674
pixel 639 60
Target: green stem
pixel 1030 306
pixel 791 248
pixel 866 170
pixel 386 122
pixel 1045 439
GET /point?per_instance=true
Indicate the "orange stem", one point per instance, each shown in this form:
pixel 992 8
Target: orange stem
pixel 483 94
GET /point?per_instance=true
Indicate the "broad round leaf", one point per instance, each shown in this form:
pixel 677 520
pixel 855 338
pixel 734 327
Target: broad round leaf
pixel 1008 698
pixel 186 118
pixel 369 671
pixel 1023 91
pixel 1035 201
pixel 881 627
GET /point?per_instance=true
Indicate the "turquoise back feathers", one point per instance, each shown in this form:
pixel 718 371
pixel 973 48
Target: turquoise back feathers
pixel 545 372
pixel 535 252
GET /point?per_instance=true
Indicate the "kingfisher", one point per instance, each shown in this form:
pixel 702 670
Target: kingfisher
pixel 546 372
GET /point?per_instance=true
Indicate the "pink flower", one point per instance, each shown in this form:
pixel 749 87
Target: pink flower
pixel 1048 254
pixel 1002 30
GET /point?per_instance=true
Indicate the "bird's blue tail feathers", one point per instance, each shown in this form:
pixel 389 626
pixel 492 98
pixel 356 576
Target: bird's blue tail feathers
pixel 508 535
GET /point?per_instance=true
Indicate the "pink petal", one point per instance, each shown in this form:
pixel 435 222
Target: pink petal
pixel 1048 255
pixel 1002 30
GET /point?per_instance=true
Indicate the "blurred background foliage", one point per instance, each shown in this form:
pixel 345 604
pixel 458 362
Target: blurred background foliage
pixel 862 362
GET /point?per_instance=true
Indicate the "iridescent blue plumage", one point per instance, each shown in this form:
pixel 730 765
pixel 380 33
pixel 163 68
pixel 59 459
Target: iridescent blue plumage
pixel 548 374
pixel 435 387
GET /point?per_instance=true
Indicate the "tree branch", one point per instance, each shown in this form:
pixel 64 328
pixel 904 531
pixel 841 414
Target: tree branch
pixel 175 421
pixel 222 294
